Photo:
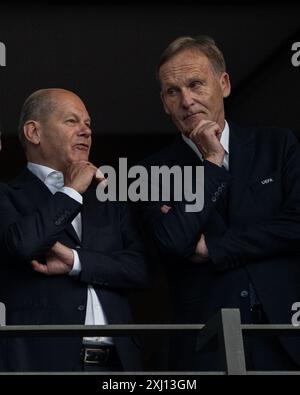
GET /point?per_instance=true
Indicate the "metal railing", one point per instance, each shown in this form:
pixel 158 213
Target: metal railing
pixel 225 325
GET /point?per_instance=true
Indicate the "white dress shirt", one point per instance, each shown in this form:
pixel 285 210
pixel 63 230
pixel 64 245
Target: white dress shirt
pixel 224 141
pixel 54 180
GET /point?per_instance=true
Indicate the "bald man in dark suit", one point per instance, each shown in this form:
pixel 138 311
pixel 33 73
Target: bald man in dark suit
pixel 66 258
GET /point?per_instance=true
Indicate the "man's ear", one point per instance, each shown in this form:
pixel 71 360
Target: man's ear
pixel 164 103
pixel 31 131
pixel 225 84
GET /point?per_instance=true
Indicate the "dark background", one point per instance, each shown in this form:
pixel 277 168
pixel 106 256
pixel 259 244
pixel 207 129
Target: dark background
pixel 107 54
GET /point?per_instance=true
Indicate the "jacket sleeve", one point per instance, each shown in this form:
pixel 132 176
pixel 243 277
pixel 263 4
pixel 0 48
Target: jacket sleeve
pixel 177 232
pixel 276 236
pixel 127 268
pixel 29 236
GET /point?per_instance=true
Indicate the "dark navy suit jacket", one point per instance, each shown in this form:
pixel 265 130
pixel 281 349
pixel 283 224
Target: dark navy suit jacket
pixel 251 221
pixel 112 260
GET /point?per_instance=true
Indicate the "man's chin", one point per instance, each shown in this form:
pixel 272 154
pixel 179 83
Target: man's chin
pixel 193 123
pixel 80 157
pixel 188 129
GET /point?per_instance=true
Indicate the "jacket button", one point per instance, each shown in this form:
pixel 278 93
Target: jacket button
pixel 244 293
pixel 81 307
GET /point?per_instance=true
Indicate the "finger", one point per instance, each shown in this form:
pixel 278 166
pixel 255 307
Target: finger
pixel 57 243
pixel 56 247
pixel 202 125
pixel 205 127
pixel 89 165
pixel 165 209
pixel 102 181
pixel 219 134
pixel 92 165
pixel 39 267
pixel 100 177
pixel 99 174
pixel 79 163
pixel 212 130
pixel 59 249
pixel 216 129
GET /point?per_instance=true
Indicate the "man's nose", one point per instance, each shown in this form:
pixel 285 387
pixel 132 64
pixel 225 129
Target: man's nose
pixel 186 98
pixel 85 130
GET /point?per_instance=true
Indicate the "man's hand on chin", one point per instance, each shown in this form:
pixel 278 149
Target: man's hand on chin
pixel 206 136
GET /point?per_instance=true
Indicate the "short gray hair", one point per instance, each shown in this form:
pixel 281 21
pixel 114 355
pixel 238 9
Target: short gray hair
pixel 36 107
pixel 203 44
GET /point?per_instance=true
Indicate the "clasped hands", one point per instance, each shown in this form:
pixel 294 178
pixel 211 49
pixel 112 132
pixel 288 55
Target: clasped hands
pixel 201 252
pixel 60 258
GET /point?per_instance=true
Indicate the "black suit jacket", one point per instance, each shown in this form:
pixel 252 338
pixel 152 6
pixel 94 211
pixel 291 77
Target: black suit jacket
pixel 251 221
pixel 112 260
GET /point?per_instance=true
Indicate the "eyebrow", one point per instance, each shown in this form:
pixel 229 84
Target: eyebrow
pixel 72 114
pixel 171 84
pixel 195 77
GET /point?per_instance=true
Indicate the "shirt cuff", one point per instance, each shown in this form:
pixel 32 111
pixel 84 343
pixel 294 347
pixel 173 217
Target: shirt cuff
pixel 76 265
pixel 72 193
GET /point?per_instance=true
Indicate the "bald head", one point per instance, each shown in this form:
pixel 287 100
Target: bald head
pixel 38 107
pixel 55 128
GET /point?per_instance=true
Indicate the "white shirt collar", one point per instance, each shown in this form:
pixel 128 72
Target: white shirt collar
pixel 224 141
pixel 47 175
pixel 42 172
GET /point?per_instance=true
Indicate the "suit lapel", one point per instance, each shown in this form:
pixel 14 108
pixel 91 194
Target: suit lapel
pixel 71 232
pixel 89 215
pixel 183 154
pixel 35 193
pixel 241 154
